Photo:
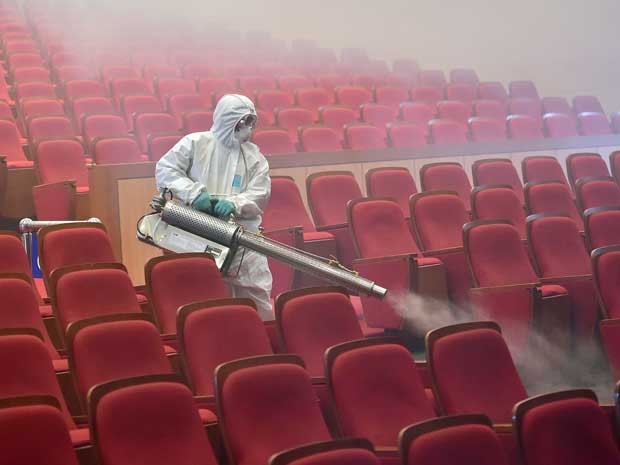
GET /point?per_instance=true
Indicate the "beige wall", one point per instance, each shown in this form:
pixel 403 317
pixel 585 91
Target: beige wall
pixel 567 47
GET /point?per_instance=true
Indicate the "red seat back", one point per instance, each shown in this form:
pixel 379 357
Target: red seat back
pixel 120 409
pixel 379 228
pixel 216 332
pixel 551 197
pixel 497 171
pixel 181 279
pixel 376 389
pixel 312 320
pixel 267 405
pixel 446 176
pixel 104 349
pixel 452 349
pixel 498 203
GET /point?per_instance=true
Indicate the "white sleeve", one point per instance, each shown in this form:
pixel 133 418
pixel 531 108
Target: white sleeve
pixel 172 171
pixel 250 203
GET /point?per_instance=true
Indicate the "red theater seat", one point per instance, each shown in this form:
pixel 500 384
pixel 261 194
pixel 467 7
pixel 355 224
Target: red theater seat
pixel 584 165
pixel 593 124
pixel 550 428
pixel 353 96
pixel 269 100
pixel 391 96
pixel 557 105
pixel 29 420
pixel 342 451
pixel 559 125
pixel 181 279
pixel 312 320
pixel 312 99
pixel 267 405
pixel 394 182
pixel 526 106
pixel 132 105
pixel 523 89
pixel 85 106
pixel 319 139
pixel 492 109
pixel 446 176
pixel 432 78
pixel 62 160
pixel 522 127
pixel 291 119
pixel 454 110
pixel 492 91
pixel 215 332
pixel 606 270
pixel 542 168
pixel 147 124
pixel 381 373
pixel 112 150
pixel 120 410
pixel 122 87
pixel 291 83
pixel 110 347
pixel 597 192
pixel 451 351
pixel 428 95
pixel 111 72
pixel 587 103
pixel 486 129
pixel 29 371
pixel 34 89
pixel 377 115
pixel 179 104
pixel 273 142
pixel 97 126
pixel 168 87
pixel 11 147
pixel 364 137
pixel 560 256
pixel 84 88
pixel 466 93
pixel 551 197
pixel 494 171
pixel 447 131
pixel 406 135
pixel 469 437
pixel 328 194
pixel 500 263
pixel 464 76
pixel 160 144
pixel 602 226
pixel 498 203
pixel 418 113
pixel 437 219
pixel 31 74
pixel 45 127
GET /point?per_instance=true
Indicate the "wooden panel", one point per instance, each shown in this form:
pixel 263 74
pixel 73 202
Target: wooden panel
pixel 134 196
pixel 19 203
pixel 104 194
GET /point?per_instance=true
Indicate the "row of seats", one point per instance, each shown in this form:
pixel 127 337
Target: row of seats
pixel 276 393
pixel 301 308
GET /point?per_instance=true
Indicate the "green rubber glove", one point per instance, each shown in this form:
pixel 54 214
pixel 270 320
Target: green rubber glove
pixel 203 203
pixel 224 208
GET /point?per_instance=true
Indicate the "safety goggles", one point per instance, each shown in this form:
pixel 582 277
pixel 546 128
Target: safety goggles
pixel 248 121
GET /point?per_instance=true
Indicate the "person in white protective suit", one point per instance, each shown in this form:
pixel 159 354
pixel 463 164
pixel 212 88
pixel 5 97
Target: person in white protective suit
pixel 220 172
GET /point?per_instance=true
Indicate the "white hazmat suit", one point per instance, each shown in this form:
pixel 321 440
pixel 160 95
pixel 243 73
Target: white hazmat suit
pixel 217 163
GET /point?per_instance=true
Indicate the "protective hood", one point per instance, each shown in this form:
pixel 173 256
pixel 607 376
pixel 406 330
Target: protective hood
pixel 228 111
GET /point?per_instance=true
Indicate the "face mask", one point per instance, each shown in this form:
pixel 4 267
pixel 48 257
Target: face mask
pixel 243 135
